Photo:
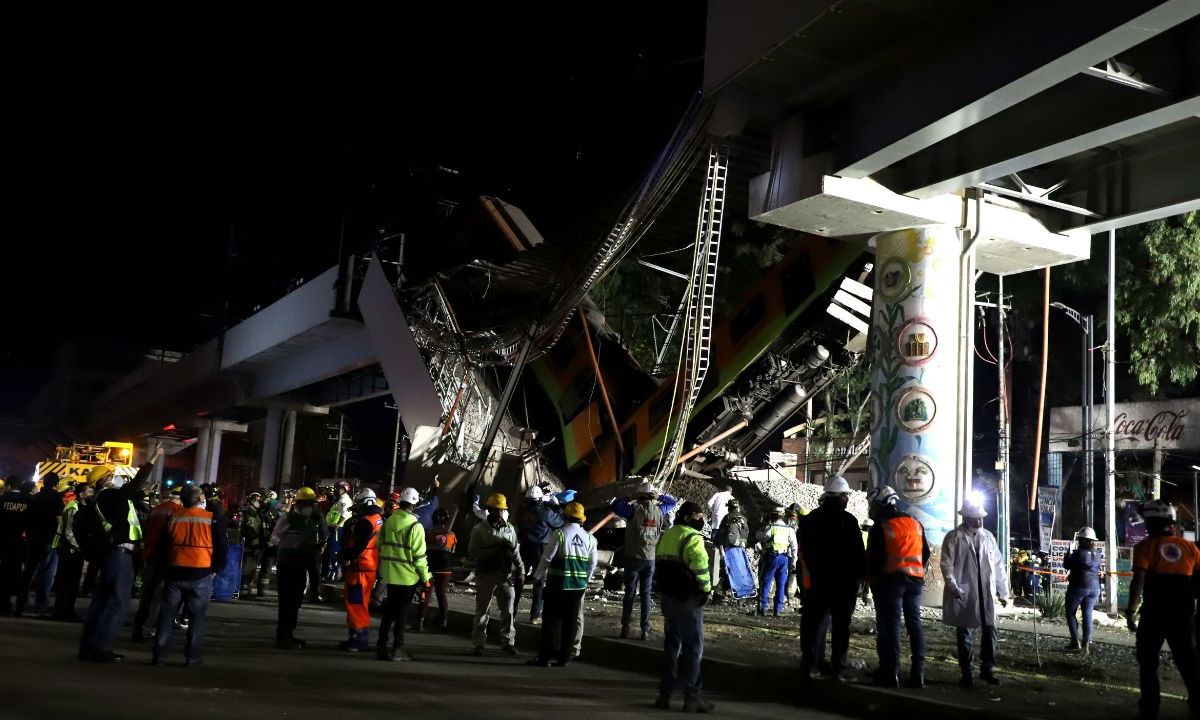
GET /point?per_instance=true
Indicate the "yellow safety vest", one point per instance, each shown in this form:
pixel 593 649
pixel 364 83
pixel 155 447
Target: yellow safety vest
pixel 402 558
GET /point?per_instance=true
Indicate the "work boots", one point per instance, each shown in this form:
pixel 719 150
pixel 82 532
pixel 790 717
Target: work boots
pixel 697 704
pixel 625 632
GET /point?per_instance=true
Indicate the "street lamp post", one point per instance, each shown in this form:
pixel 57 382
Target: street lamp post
pixel 1086 324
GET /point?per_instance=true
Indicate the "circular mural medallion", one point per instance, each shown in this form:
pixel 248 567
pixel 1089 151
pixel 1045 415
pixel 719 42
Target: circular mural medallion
pixel 895 278
pixel 915 409
pixel 913 478
pixel 917 342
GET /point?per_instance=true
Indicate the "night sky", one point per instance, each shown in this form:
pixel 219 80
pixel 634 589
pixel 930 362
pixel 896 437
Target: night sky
pixel 136 153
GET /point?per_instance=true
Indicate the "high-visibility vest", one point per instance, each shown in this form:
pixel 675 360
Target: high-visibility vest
pixel 135 525
pixel 66 517
pixel 190 533
pixel 402 558
pixel 572 564
pixel 368 559
pixel 156 522
pixel 681 564
pixel 777 539
pixel 902 546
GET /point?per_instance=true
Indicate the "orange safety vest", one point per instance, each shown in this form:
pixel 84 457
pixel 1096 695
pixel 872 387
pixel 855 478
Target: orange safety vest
pixel 190 532
pixel 368 559
pixel 902 544
pixel 156 521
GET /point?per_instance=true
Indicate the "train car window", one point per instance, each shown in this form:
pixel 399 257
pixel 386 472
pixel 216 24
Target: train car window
pixel 578 395
pixel 659 407
pixel 747 318
pixel 563 353
pixel 629 440
pixel 798 284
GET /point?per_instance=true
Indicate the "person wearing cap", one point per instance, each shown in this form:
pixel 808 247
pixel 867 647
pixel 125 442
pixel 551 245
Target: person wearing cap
pixel 536 520
pixel 122 531
pixel 146 618
pixel 70 556
pixel 833 559
pixel 14 520
pixel 269 514
pixel 403 567
pixel 360 556
pixel 1163 591
pixel 684 582
pixel 565 568
pixel 975 580
pixel 498 570
pixel 298 538
pixel 897 555
pixel 779 551
pixel 646 519
pixel 1083 566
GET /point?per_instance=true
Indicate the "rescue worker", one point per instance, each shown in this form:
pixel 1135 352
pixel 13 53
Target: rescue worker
pixel 298 537
pixel 269 514
pixel 498 570
pixel 731 538
pixel 41 561
pixel 565 568
pixel 360 555
pixel 831 548
pixel 792 515
pixel 440 544
pixel 897 555
pixel 14 520
pixel 536 520
pixel 253 537
pixel 122 531
pixel 684 584
pixel 718 505
pixel 647 518
pixel 403 567
pixel 152 563
pixel 192 551
pixel 1083 587
pixel 975 578
pixel 70 556
pixel 1163 592
pixel 779 552
pixel 339 513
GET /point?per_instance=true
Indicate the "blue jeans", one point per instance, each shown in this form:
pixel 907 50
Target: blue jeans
pixel 774 570
pixel 110 601
pixel 193 595
pixel 1085 598
pixel 43 581
pixel 987 649
pixel 683 643
pixel 531 554
pixel 639 574
pixel 897 595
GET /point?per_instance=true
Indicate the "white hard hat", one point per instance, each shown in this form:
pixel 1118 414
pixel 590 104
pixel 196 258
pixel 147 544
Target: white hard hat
pixel 837 485
pixel 410 496
pixel 646 488
pixel 883 495
pixel 1086 533
pixel 1157 509
pixel 534 493
pixel 971 510
pixel 365 495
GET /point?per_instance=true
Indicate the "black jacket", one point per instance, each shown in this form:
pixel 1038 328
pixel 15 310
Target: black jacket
pixel 832 547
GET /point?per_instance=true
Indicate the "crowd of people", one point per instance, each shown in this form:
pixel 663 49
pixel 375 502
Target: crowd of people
pixel 398 551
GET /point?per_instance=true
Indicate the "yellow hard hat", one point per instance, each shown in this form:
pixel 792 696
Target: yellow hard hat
pixel 306 494
pixel 497 501
pixel 99 473
pixel 574 510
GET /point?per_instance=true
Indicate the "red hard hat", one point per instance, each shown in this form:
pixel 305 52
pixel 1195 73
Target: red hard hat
pixel 396 496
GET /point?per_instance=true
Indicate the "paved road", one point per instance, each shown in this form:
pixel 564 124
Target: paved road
pixel 244 677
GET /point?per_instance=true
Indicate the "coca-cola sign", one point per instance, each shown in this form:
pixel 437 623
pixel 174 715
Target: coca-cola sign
pixel 1171 424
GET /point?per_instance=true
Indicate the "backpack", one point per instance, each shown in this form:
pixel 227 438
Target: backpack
pixel 89 531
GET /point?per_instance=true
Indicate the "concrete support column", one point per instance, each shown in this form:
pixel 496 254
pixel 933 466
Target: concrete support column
pixel 289 445
pixel 156 477
pixel 269 463
pixel 200 466
pixel 214 455
pixel 915 381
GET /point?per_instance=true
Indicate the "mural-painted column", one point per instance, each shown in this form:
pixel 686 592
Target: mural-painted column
pixel 914 388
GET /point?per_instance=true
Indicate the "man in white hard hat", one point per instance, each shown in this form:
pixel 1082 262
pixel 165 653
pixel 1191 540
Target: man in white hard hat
pixel 536 520
pixel 897 554
pixel 648 517
pixel 976 579
pixel 831 547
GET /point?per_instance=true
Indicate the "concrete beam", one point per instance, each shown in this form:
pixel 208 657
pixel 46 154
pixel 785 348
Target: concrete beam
pixel 919 104
pixel 292 315
pixel 352 352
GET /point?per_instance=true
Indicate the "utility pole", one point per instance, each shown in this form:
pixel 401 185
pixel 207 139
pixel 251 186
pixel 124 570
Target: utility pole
pixel 1156 472
pixel 1110 454
pixel 395 455
pixel 337 462
pixel 1002 491
pixel 1089 481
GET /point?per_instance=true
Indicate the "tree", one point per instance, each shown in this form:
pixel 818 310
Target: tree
pixel 1158 300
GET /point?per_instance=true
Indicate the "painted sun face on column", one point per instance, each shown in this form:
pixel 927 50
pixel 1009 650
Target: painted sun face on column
pixel 913 348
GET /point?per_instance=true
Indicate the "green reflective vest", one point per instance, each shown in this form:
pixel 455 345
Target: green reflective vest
pixel 64 523
pixel 402 558
pixel 571 565
pixel 135 527
pixel 682 562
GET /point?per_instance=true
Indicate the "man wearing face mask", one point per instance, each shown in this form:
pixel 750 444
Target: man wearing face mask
pixel 647 518
pixel 975 579
pixel 498 572
pixel 684 583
